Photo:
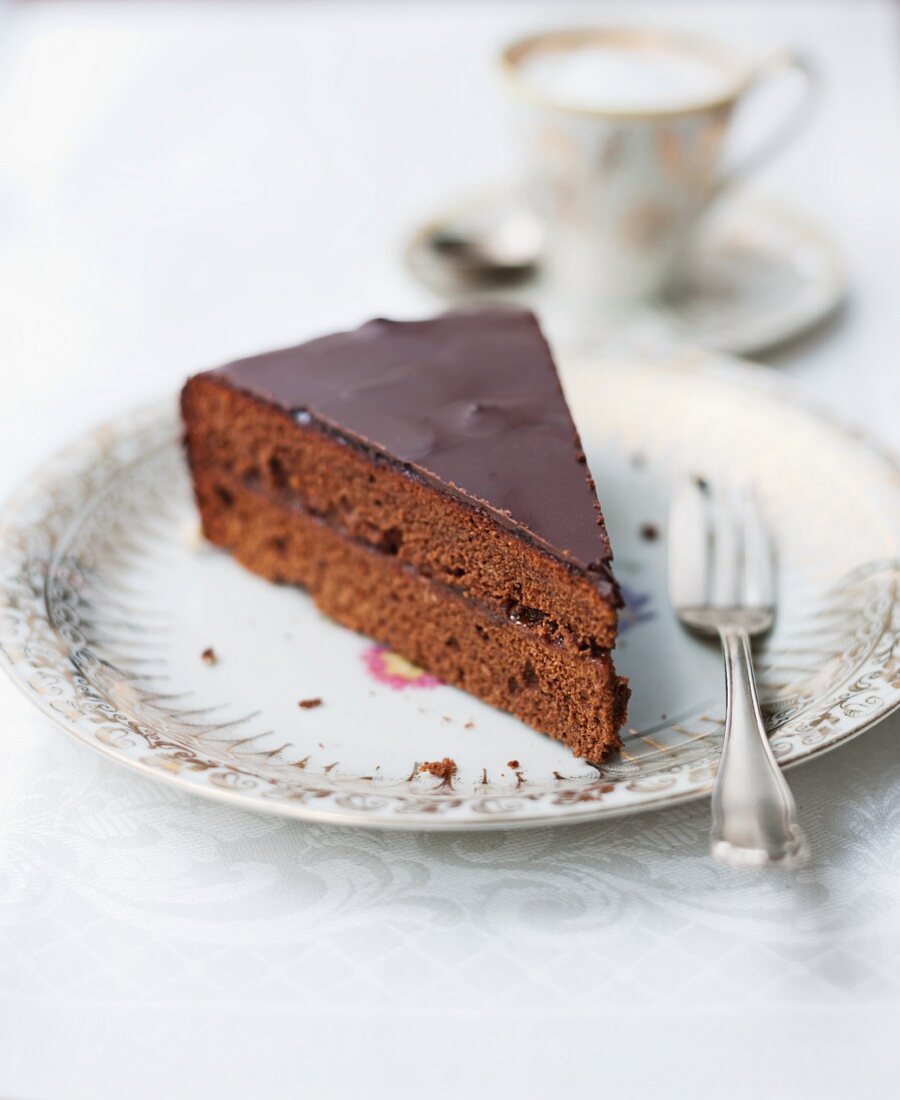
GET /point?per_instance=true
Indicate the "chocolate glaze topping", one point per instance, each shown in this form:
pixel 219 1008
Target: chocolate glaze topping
pixel 469 400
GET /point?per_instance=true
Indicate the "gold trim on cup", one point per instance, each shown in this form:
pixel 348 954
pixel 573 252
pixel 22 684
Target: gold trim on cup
pixel 512 56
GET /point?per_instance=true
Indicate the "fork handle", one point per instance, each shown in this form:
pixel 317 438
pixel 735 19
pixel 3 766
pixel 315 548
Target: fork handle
pixel 754 818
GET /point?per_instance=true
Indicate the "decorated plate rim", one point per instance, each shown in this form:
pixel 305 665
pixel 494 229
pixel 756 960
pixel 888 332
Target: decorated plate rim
pixel 105 434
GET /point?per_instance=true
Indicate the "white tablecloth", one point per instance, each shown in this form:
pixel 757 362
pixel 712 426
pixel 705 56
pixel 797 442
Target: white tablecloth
pixel 179 184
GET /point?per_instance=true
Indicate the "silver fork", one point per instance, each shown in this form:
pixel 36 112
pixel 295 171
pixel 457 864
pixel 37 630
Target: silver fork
pixel 721 582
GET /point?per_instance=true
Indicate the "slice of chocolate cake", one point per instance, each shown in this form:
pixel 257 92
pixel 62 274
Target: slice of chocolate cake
pixel 425 483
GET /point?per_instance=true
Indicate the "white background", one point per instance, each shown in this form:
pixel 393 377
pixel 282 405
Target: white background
pixel 180 184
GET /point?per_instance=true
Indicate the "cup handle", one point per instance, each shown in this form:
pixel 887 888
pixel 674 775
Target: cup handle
pixel 774 66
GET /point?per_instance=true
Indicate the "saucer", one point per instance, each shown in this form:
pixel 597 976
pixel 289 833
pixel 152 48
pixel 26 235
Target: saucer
pixel 759 275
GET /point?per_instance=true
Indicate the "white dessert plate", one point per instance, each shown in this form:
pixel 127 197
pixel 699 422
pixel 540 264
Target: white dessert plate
pixel 110 598
pixel 760 274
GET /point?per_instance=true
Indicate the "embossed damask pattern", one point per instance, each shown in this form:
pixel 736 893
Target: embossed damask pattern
pixel 118 890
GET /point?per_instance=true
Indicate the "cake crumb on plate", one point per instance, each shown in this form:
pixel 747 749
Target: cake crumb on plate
pixel 442 769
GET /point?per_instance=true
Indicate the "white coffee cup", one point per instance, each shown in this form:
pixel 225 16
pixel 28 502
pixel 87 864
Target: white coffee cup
pixel 624 131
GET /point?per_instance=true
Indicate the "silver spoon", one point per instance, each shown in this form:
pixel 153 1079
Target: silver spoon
pixel 490 245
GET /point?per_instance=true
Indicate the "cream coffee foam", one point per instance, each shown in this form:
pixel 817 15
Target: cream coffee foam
pixel 625 77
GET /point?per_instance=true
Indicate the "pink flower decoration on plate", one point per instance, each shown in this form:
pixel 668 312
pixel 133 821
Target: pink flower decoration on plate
pixel 395 671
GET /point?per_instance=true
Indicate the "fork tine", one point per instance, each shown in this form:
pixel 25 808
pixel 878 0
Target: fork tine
pixel 758 569
pixel 726 549
pixel 688 546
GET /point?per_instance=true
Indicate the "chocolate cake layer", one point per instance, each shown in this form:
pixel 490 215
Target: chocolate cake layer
pixel 469 400
pixel 374 502
pixel 425 483
pixel 574 697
